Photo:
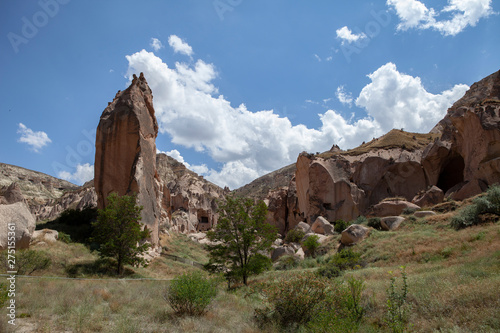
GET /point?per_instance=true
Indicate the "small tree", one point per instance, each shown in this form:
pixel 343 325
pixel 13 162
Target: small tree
pixel 311 244
pixel 119 233
pixel 241 233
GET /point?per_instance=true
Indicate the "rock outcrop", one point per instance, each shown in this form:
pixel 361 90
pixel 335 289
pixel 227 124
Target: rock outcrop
pixel 16 218
pixel 125 159
pixel 459 158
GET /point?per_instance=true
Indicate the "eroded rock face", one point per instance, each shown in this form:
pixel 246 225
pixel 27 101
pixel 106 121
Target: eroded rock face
pixel 459 158
pixel 18 217
pixel 125 160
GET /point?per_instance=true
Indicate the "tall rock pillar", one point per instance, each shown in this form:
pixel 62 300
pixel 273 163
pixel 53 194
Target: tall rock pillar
pixel 125 159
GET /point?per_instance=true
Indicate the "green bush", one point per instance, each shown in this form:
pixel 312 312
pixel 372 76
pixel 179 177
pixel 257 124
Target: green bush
pixel 470 215
pixel 341 225
pixel 343 309
pixel 311 244
pixel 191 294
pixel 311 303
pixel 375 223
pixel 329 270
pixel 346 259
pixel 361 220
pixel 294 236
pixel 293 300
pixel 29 261
pixel 409 211
pixel 286 262
pixel 397 308
pixel 64 237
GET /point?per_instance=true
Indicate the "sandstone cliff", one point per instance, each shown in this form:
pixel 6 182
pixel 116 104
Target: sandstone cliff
pixel 460 157
pixel 125 159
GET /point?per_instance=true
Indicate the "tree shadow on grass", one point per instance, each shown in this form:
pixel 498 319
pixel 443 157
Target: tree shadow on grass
pixel 100 268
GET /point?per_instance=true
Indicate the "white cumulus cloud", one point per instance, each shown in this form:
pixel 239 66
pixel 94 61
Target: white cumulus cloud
pixel 398 100
pixel 36 140
pixel 179 45
pixel 156 44
pixel 449 21
pixel 343 96
pixel 247 144
pixel 346 35
pixel 82 174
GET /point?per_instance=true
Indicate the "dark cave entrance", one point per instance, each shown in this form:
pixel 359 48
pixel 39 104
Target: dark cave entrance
pixel 452 173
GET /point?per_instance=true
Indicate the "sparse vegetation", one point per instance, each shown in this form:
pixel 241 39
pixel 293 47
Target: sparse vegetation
pixel 294 236
pixel 191 294
pixel 397 308
pixel 375 223
pixel 474 214
pixel 341 225
pixel 118 232
pixel 28 261
pixel 311 244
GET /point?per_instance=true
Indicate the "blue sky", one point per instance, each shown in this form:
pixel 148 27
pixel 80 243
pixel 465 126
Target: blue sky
pixel 240 87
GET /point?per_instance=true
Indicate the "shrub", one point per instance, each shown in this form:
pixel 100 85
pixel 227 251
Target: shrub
pixel 311 244
pixel 286 262
pixel 64 237
pixel 4 291
pixel 470 215
pixel 294 236
pixel 346 259
pixel 293 300
pixel 374 222
pixel 397 309
pixel 329 270
pixel 409 211
pixel 29 261
pixel 361 220
pixel 191 294
pixel 340 225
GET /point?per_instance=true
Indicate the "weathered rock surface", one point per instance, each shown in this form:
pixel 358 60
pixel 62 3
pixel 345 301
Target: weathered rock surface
pixel 390 223
pixel 125 159
pixel 17 216
pixel 354 234
pixel 188 200
pixel 424 213
pixel 431 197
pixel 281 251
pixel 45 235
pixel 392 208
pixel 322 226
pixel 459 158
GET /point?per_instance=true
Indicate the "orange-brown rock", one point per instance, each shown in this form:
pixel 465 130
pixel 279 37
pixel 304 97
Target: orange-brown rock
pixel 391 208
pixel 433 196
pixel 125 160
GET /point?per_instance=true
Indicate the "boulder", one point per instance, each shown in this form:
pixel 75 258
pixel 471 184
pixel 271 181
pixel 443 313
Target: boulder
pixel 391 208
pixel 304 227
pixel 282 251
pixel 390 223
pixel 13 194
pixel 125 158
pixel 16 216
pixel 424 213
pixel 300 254
pixel 355 233
pixel 321 238
pixel 431 197
pixel 322 226
pixel 45 235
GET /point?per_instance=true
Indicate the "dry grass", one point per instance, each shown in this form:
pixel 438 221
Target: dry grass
pixel 394 139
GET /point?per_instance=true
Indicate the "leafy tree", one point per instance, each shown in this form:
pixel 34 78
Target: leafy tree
pixel 119 233
pixel 311 244
pixel 241 233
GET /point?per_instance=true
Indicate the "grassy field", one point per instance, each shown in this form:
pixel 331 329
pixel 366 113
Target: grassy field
pixel 453 284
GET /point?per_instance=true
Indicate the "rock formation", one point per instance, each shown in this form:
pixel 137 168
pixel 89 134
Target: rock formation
pixel 18 217
pixel 459 158
pixel 125 159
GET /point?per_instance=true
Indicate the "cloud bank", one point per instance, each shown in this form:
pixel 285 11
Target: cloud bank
pixel 247 144
pixel 459 14
pixel 83 173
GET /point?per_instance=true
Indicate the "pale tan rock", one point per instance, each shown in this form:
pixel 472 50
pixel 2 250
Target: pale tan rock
pixel 391 208
pixel 354 234
pixel 282 251
pixel 322 226
pixel 45 235
pixel 18 219
pixel 304 227
pixel 424 213
pixel 391 223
